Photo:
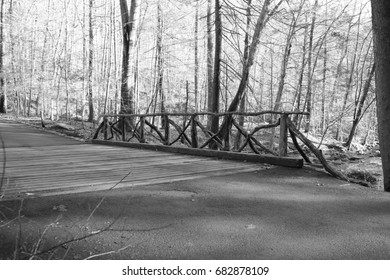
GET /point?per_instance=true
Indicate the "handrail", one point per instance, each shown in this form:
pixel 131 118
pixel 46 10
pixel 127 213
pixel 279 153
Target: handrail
pixel 122 127
pixel 177 114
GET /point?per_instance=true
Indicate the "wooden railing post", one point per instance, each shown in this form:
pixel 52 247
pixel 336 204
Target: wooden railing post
pixel 142 132
pixel 123 129
pixel 105 127
pixel 194 133
pixel 166 126
pixel 226 140
pixel 283 135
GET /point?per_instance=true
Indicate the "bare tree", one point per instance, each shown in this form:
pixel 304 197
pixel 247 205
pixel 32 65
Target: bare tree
pixel 3 97
pixel 90 63
pixel 241 118
pixel 128 29
pixel 196 56
pixel 359 111
pixel 217 67
pixel 310 68
pixel 209 64
pixel 261 21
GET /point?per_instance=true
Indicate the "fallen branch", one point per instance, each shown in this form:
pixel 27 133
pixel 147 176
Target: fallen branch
pixel 294 139
pixel 316 152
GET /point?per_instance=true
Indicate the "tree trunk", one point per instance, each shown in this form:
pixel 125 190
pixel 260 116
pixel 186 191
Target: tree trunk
pixel 90 64
pixel 297 99
pixel 108 76
pixel 310 70
pixel 217 68
pixel 196 58
pixel 3 100
pixel 128 24
pixel 381 28
pixel 241 118
pixel 13 58
pixel 359 111
pixel 209 64
pixel 261 21
pixel 160 60
pixel 338 135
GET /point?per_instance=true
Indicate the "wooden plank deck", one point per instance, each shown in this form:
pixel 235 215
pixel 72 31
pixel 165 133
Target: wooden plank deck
pixel 33 171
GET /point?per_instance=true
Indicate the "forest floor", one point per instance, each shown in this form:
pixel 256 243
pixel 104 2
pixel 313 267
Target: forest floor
pixel 361 164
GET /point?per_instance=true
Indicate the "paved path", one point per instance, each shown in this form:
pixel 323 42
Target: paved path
pixel 269 213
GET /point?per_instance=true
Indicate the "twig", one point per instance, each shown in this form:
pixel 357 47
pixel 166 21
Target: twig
pixel 103 198
pixel 114 251
pixel 9 222
pixel 94 210
pixel 75 239
pixel 38 244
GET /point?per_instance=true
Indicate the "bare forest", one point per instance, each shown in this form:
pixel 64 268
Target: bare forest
pixel 64 59
pixel 208 126
pixel 78 60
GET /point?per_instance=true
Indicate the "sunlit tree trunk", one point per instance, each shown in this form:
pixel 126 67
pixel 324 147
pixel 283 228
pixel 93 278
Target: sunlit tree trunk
pixel 90 63
pixel 261 21
pixel 160 60
pixel 209 63
pixel 128 29
pixel 286 57
pixel 359 111
pixel 196 58
pixel 310 69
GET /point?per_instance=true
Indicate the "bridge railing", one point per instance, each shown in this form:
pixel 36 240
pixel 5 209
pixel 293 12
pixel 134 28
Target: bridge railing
pixel 170 128
pixel 188 129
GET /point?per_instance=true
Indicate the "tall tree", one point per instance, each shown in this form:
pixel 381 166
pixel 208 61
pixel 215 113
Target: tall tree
pixel 209 63
pixel 3 97
pixel 160 60
pixel 261 21
pixel 359 111
pixel 217 67
pixel 196 58
pixel 310 68
pixel 241 118
pixel 381 28
pixel 128 29
pixel 286 56
pixel 90 62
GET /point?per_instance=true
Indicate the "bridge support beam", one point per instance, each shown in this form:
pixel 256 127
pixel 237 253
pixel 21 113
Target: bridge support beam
pixel 281 161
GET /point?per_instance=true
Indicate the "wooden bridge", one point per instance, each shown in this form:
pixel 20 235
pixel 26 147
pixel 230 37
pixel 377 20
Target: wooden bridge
pixel 250 145
pixel 37 163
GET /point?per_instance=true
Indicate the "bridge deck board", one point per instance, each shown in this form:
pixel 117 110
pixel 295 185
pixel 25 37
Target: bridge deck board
pixel 61 169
